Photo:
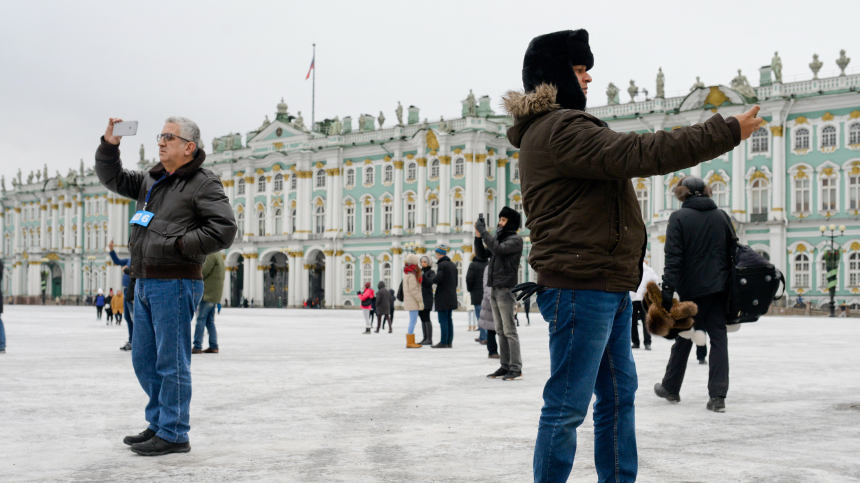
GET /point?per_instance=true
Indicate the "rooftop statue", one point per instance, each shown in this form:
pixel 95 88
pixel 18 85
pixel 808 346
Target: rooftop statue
pixel 299 122
pixel 661 94
pixel 381 119
pixel 399 113
pixel 443 126
pixel 741 85
pixel 612 94
pixel 265 124
pixel 471 104
pixel 38 175
pixel 815 65
pixel 45 172
pixel 776 67
pixel 71 175
pixel 19 172
pixel 142 154
pixel 15 183
pixel 698 85
pixel 30 178
pixel 335 127
pixel 632 90
pixel 3 183
pixel 842 62
pixel 82 167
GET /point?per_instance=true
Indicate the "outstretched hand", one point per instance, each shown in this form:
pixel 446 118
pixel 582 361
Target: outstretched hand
pixel 109 137
pixel 749 122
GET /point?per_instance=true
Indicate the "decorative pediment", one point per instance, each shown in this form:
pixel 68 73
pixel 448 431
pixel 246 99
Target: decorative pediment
pixel 276 132
pixel 710 98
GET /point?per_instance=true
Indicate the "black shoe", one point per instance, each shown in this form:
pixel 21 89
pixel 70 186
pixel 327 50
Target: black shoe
pixel 441 346
pixel 702 362
pixel 498 374
pixel 426 342
pixel 366 331
pixel 660 391
pixel 634 346
pixel 513 376
pixel 143 437
pixel 647 347
pixel 126 347
pixel 157 447
pixel 717 404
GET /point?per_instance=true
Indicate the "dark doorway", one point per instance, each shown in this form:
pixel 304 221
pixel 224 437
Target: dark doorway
pixel 275 287
pixel 237 279
pixel 316 278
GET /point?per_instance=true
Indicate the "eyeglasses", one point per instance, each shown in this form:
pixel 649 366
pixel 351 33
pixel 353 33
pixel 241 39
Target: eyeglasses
pixel 167 136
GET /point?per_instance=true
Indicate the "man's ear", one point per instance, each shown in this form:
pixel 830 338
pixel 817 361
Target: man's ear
pixel 190 148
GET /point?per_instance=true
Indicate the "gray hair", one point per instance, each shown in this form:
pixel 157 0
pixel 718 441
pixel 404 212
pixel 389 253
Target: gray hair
pixel 187 129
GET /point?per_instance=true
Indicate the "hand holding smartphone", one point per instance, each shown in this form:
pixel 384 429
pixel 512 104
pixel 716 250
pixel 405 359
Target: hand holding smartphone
pixel 117 129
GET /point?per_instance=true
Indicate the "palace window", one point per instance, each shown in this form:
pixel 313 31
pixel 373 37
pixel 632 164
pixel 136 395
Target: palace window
pixel 459 266
pixel 759 197
pixel 515 168
pixel 518 207
pixel 388 174
pixel 410 216
pixel 7 245
pixel 387 216
pixel 24 212
pixel 802 195
pixel 349 275
pixel 319 219
pixel 801 270
pixel 386 275
pixel 320 179
pixel 240 223
pixel 366 275
pixel 801 139
pixel 854 192
pixel 490 173
pixel 279 182
pixel 293 182
pixel 434 213
pixel 854 134
pixel 240 186
pixel 434 169
pixel 459 167
pixel 822 270
pixel 261 223
pixel 828 193
pixel 412 170
pixel 293 221
pixel 105 234
pixel 759 141
pixel 828 137
pixel 350 219
pixel 96 237
pixel 368 175
pixel 458 213
pixel 350 178
pixel 261 184
pixel 720 194
pixel 279 221
pixel 854 269
pixel 368 218
pixel 642 198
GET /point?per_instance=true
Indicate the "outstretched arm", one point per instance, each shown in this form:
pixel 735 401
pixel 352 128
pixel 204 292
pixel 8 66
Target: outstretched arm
pixel 109 166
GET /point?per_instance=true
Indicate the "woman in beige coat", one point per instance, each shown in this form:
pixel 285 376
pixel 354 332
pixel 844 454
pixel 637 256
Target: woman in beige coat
pixel 412 298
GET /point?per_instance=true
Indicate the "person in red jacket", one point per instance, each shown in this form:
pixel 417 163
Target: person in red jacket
pixel 366 298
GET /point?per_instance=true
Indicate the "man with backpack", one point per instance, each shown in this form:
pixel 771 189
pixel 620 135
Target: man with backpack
pixel 699 241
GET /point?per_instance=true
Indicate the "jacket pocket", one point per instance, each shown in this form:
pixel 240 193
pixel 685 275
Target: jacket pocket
pixel 162 238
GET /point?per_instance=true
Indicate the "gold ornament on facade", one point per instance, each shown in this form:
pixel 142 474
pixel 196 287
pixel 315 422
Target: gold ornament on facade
pixel 397 251
pixel 776 131
pixel 458 151
pixel 800 248
pixel 259 171
pixel 827 116
pixel 501 162
pixel 278 146
pixel 800 120
pixel 445 159
pixel 398 165
pixel 758 175
pixel 466 248
pixel 368 161
pixel 328 253
pixel 716 97
pixel 249 179
pixel 319 165
pixel 276 167
pixel 338 253
pixel 387 158
pixel 661 238
pixel 828 171
pixel 432 142
pixel 421 162
pixel 421 250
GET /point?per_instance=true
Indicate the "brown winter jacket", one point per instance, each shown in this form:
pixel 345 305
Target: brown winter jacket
pixel 116 302
pixel 586 227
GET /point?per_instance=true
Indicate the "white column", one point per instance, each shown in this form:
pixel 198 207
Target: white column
pixel 696 171
pixel 501 183
pixel 421 202
pixel 251 275
pixel 304 288
pixel 228 284
pixel 16 224
pixel 293 279
pixel 444 225
pixel 469 214
pixel 55 224
pixel 79 243
pixel 34 278
pixel 658 193
pixel 330 273
pixel 44 240
pixel 738 191
pixel 398 198
pixel 337 200
pixel 480 186
pixel 250 218
pixel 338 280
pixel 270 212
pixel 778 202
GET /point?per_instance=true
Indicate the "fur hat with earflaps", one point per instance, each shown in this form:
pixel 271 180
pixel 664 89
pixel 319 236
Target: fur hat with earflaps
pixel 662 323
pixel 550 59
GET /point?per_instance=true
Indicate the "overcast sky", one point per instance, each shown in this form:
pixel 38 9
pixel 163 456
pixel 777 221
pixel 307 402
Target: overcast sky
pixel 65 67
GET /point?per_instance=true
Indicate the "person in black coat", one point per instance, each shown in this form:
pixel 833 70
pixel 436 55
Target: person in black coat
pixel 427 275
pixel 475 286
pixel 699 239
pixel 446 296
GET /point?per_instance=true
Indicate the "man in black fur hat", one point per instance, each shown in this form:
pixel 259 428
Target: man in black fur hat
pixel 588 242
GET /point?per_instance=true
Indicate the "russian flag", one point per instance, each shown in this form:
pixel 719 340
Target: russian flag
pixel 312 68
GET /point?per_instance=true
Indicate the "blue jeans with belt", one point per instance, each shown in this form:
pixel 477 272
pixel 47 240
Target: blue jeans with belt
pixel 161 353
pixel 590 353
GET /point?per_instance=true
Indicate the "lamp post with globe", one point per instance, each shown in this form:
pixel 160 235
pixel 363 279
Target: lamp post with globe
pixel 831 262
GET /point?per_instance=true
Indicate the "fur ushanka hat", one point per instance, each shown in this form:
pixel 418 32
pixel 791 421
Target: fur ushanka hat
pixel 662 323
pixel 550 59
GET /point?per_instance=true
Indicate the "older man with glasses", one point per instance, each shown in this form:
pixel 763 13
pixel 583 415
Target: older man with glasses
pixel 182 216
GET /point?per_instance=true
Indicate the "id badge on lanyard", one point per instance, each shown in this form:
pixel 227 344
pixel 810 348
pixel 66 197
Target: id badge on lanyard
pixel 143 217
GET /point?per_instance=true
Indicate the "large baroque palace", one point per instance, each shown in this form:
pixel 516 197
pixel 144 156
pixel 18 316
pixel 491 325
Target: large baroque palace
pixel 322 210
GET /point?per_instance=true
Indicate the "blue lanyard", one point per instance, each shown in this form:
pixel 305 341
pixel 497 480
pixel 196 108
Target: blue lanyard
pixel 146 201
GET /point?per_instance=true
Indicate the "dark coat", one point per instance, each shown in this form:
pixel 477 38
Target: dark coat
pixel 585 222
pixel 474 279
pixel 698 242
pixel 446 285
pixel 384 300
pixel 504 252
pixel 192 215
pixel 427 287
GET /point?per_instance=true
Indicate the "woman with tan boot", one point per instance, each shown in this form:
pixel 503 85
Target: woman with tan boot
pixel 413 301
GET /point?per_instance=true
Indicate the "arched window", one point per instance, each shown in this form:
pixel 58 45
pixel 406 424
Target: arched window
pixel 320 179
pixel 279 221
pixel 434 169
pixel 412 170
pixel 853 192
pixel 279 182
pixel 350 178
pixel 386 274
pixel 490 171
pixel 7 244
pixel 719 193
pixel 388 174
pixel 96 237
pixel 434 212
pixel 350 219
pixel 319 219
pixel 759 197
pixel 410 215
pixel 387 217
pixel 261 184
pixel 828 193
pixel 642 198
pixel 801 139
pixel 801 270
pixel 240 224
pixel 261 223
pixel 854 270
pixel 293 220
pixel 459 167
pixel 293 182
pixel 105 234
pixel 459 266
pixel 515 168
pixel 854 134
pixel 822 274
pixel 349 277
pixel 240 186
pixel 366 274
pixel 25 240
pixel 458 212
pixel 802 195
pixel 828 137
pixel 368 174
pixel 759 141
pixel 368 218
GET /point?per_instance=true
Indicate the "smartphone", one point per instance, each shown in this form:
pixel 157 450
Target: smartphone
pixel 125 128
pixel 481 216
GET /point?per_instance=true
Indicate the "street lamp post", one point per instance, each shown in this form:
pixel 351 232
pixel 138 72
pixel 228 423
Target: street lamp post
pixel 90 260
pixel 43 276
pixel 831 262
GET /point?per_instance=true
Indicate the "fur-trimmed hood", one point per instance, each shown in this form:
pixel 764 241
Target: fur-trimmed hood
pixel 519 104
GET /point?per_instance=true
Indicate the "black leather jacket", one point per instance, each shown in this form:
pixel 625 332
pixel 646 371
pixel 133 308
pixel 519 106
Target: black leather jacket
pixel 504 253
pixel 192 215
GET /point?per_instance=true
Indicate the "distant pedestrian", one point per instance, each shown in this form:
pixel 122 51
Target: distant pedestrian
pixel 109 307
pixel 219 308
pixel 100 303
pixel 366 297
pixel 128 293
pixel 427 275
pixel 648 275
pixel 2 329
pixel 486 321
pixel 117 302
pixel 475 287
pixel 445 299
pixel 213 287
pixel 383 306
pixel 527 307
pixel 413 300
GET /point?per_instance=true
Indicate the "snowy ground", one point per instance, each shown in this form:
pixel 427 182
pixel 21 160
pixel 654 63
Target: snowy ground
pixel 302 395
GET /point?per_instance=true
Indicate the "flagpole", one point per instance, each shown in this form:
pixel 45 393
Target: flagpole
pixel 314 89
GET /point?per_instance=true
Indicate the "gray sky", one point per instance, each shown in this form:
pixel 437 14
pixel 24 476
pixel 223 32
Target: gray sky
pixel 65 67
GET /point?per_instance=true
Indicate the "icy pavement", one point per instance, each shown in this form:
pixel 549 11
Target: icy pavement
pixel 302 395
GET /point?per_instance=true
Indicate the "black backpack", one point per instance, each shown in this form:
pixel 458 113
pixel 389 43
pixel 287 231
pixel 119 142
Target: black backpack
pixel 754 283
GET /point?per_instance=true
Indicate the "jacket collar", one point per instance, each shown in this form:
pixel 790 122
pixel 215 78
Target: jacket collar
pixel 699 203
pixel 525 107
pixel 185 170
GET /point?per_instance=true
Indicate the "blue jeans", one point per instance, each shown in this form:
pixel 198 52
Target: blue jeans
pixel 446 324
pixel 483 332
pixel 161 353
pixel 205 319
pixel 2 335
pixel 590 353
pixel 413 318
pixel 128 311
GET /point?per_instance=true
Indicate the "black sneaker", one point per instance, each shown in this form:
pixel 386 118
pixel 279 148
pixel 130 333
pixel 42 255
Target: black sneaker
pixel 662 392
pixel 717 404
pixel 157 447
pixel 143 437
pixel 634 346
pixel 366 331
pixel 647 347
pixel 126 347
pixel 702 362
pixel 513 376
pixel 498 374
